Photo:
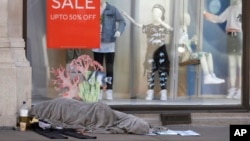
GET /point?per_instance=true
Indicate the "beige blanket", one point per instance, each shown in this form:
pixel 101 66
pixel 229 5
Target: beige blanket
pixel 94 117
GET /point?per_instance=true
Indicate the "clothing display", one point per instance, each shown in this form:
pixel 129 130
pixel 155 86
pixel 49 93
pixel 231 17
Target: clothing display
pixel 112 25
pixel 161 64
pixel 109 57
pixel 156 58
pixel 232 15
pixel 105 48
pixel 110 16
pixel 234 43
pixel 205 58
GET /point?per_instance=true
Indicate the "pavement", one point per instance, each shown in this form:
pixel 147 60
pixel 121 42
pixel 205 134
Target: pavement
pixel 207 133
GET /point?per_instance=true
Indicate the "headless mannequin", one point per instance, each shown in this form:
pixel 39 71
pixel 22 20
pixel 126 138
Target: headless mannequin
pixel 102 8
pixel 159 28
pixel 107 47
pixel 233 17
pixel 205 58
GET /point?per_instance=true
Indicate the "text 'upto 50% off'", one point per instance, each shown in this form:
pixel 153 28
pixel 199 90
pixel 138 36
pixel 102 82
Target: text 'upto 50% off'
pixel 73 17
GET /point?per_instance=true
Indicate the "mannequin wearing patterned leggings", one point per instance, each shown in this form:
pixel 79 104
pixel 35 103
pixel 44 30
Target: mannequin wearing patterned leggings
pixel 161 64
pixel 156 58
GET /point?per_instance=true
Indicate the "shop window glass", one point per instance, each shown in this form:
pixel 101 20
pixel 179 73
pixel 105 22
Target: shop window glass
pixel 171 52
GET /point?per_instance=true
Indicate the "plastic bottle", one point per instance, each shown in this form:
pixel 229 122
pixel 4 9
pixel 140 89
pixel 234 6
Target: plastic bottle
pixel 23 116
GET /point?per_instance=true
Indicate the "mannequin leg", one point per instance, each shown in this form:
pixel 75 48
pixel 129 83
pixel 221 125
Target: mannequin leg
pixel 232 75
pixel 109 60
pixel 232 70
pixel 163 69
pixel 238 92
pixel 210 64
pixel 239 60
pixel 151 78
pixel 99 57
pixel 204 65
pixel 207 67
pixel 163 83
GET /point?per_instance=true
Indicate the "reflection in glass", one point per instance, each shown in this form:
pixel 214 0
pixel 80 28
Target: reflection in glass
pixel 219 46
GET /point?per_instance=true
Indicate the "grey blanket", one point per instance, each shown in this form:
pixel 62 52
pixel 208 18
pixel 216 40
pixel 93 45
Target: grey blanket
pixel 94 117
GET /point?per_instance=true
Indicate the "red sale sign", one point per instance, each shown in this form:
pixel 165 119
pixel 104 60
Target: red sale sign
pixel 73 23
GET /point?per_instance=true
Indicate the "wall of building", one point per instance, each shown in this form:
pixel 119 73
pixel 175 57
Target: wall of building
pixel 15 70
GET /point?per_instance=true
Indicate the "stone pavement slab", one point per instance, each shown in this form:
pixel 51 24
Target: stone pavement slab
pixel 207 133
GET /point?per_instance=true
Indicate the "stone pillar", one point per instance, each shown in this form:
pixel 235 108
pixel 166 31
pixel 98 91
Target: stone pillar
pixel 15 70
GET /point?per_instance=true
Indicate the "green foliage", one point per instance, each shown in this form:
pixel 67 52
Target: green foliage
pixel 89 90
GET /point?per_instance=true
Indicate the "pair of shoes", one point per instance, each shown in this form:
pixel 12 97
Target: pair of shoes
pixel 219 79
pixel 109 94
pixel 238 94
pixel 150 94
pixel 231 93
pixel 212 79
pixel 163 94
pixel 234 93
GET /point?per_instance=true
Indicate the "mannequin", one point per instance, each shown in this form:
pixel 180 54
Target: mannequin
pixel 232 15
pixel 156 58
pixel 205 58
pixel 110 31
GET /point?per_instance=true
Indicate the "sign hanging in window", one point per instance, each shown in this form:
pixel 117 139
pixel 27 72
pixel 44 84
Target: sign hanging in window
pixel 73 23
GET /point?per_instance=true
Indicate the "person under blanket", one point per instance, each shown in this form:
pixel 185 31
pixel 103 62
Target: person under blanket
pixel 96 117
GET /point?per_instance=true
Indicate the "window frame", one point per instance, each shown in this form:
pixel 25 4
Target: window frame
pixel 245 101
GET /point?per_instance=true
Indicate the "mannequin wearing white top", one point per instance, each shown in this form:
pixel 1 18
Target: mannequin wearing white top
pixel 234 43
pixel 205 58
